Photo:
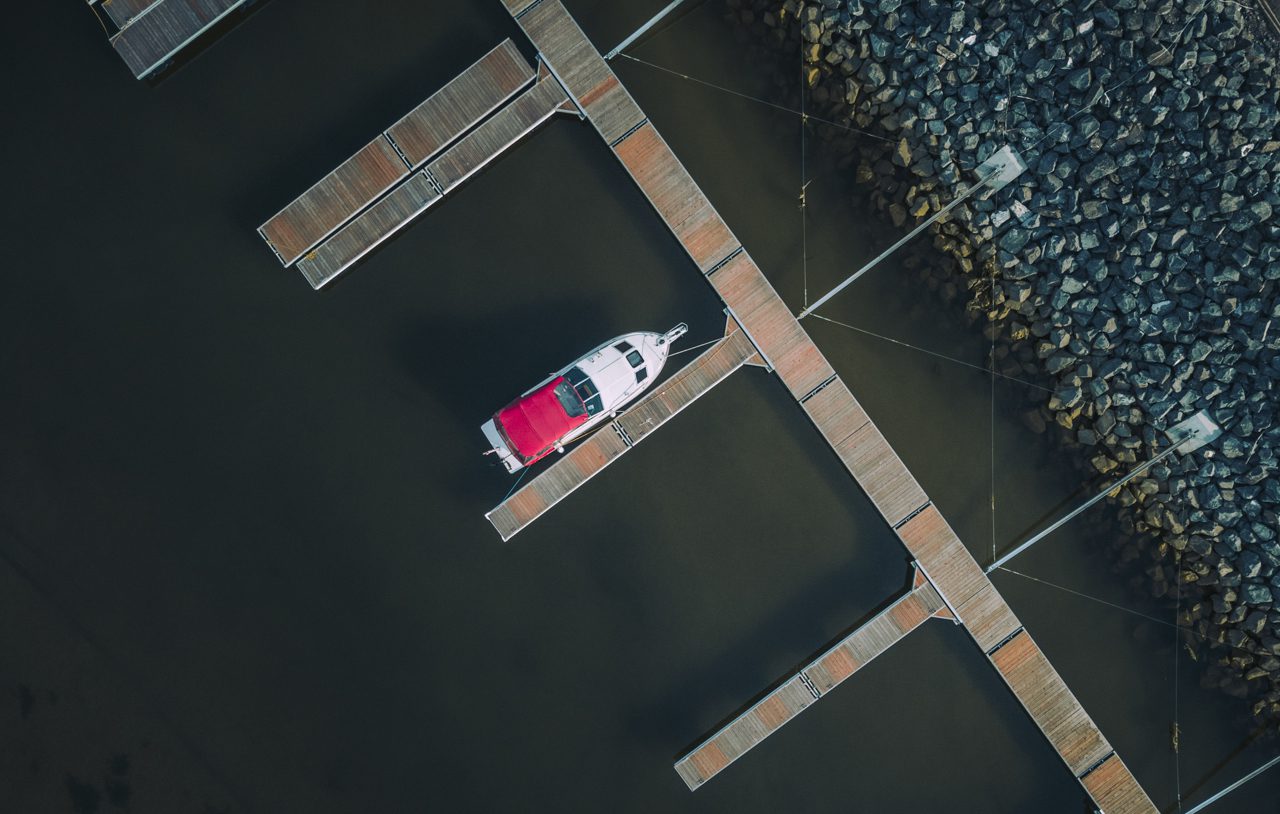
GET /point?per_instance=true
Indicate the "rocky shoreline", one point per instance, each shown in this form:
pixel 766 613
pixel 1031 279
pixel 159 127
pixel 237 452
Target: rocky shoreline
pixel 1135 263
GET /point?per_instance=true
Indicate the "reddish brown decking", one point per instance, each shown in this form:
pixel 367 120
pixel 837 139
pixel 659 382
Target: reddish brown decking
pixel 822 675
pixel 785 346
pixel 435 123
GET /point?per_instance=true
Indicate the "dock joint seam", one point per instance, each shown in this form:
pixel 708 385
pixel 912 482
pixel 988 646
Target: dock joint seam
pixel 527 9
pixel 1098 763
pixel 434 183
pixel 396 147
pixel 623 434
pixel 725 261
pixel 911 516
pixel 1006 640
pixel 808 683
pixel 822 386
pixel 613 144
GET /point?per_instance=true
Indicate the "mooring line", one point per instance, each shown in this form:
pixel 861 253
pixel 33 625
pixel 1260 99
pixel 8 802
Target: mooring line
pixel 930 352
pixel 773 105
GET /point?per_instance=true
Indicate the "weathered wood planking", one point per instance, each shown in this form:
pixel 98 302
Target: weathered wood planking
pixel 396 209
pixel 465 100
pixel 1114 788
pixel 784 344
pixel 788 350
pixel 503 129
pixel 446 115
pixel 1052 706
pixel 122 11
pixel 586 459
pixel 362 235
pixel 151 39
pixel 678 200
pixel 580 67
pixel 819 677
pixel 329 203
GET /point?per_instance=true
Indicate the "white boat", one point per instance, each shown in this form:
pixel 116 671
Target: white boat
pixel 575 400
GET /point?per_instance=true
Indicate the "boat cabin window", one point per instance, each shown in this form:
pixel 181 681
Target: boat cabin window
pixel 635 359
pixel 641 374
pixel 622 347
pixel 587 390
pixel 569 400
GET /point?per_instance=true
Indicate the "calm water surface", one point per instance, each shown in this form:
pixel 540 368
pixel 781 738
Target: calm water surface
pixel 242 522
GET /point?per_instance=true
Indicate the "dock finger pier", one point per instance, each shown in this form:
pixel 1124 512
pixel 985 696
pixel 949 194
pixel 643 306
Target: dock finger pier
pixel 416 162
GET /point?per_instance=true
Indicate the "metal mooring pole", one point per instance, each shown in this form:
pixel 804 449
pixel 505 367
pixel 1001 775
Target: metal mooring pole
pixel 657 18
pixel 1215 798
pixel 995 173
pixel 1187 436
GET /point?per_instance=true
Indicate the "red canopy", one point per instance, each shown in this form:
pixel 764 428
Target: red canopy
pixel 536 421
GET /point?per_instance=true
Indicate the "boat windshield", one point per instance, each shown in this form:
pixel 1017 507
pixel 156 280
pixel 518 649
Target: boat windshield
pixel 569 400
pixel 586 389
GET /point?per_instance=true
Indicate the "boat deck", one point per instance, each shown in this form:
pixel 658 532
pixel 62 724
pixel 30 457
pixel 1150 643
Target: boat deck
pixel 589 457
pixel 788 350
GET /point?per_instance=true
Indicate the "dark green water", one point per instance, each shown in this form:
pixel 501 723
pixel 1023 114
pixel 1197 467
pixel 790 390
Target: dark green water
pixel 242 522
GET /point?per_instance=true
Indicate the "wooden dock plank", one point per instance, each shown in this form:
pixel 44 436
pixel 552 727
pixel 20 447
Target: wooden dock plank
pixel 152 39
pixel 942 555
pixel 794 695
pixel 579 65
pixel 678 200
pixel 503 129
pixel 362 235
pixel 466 99
pixel 987 617
pixel 397 208
pixel 1115 790
pixel 836 413
pixel 440 120
pixel 589 457
pixel 1050 703
pixel 333 200
pixel 122 11
pixel 881 474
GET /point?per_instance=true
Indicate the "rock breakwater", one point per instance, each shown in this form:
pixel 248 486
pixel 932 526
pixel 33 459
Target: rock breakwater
pixel 1136 262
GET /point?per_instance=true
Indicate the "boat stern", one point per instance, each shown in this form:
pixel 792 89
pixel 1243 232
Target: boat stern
pixel 498 446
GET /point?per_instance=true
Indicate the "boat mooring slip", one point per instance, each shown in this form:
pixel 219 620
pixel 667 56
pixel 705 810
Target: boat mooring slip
pixel 384 186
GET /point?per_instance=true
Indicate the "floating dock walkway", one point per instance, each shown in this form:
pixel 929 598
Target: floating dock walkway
pixel 414 163
pixel 787 349
pixel 150 33
pixel 819 677
pixel 606 445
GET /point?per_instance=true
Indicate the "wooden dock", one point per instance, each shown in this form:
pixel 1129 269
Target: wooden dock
pixel 458 163
pixel 438 121
pixel 787 349
pixel 606 445
pixel 816 679
pixel 151 32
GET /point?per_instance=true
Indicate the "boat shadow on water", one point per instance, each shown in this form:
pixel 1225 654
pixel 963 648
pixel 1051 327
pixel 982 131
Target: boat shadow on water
pixel 499 355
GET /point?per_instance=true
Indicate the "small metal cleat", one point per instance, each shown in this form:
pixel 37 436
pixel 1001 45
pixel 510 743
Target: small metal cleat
pixel 1192 433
